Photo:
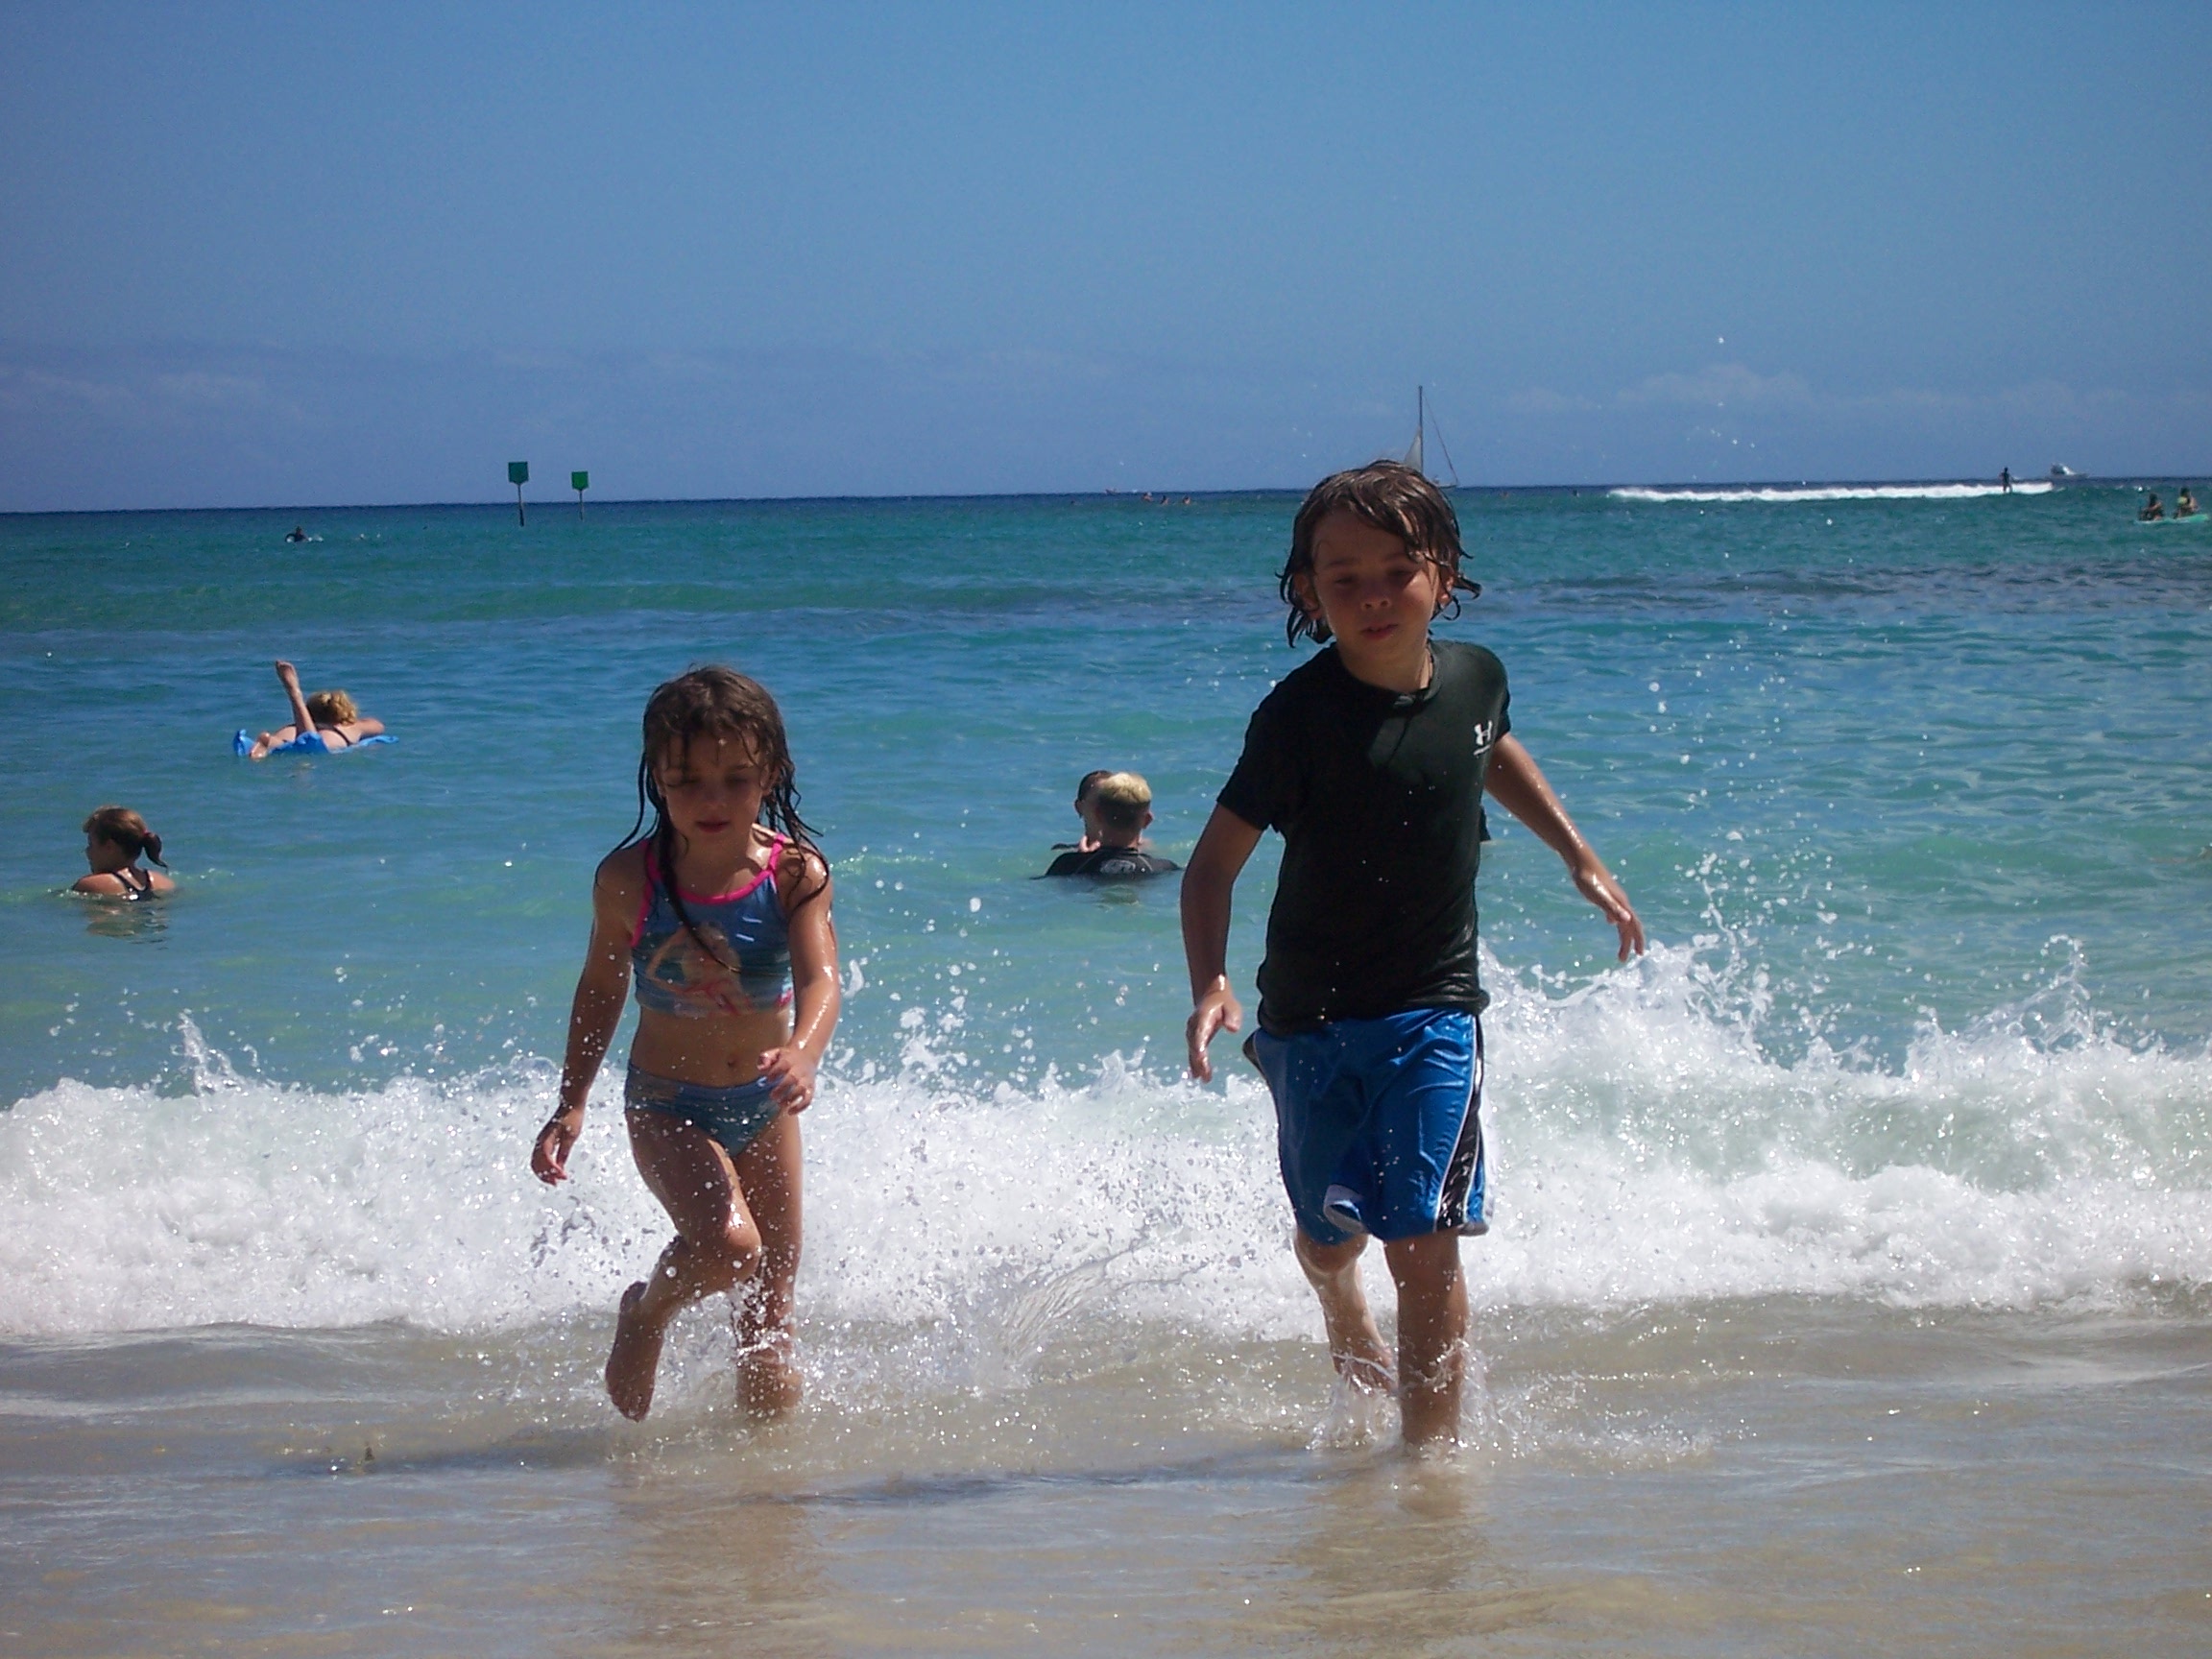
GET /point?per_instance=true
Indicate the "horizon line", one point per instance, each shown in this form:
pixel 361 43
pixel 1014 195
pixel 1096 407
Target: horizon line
pixel 559 499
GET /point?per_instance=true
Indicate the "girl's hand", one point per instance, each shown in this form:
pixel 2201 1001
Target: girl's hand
pixel 790 1076
pixel 549 1157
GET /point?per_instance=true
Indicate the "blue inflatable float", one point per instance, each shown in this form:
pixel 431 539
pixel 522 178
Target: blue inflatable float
pixel 306 743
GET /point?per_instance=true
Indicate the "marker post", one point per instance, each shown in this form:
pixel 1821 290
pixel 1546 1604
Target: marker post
pixel 579 482
pixel 518 474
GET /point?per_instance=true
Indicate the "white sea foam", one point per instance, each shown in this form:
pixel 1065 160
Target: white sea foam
pixel 1645 1148
pixel 1831 493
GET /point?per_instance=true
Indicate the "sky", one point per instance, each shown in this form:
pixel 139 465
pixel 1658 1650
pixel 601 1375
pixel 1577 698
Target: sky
pixel 351 253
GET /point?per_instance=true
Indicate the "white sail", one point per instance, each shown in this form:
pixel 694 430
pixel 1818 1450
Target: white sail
pixel 1416 457
pixel 1413 456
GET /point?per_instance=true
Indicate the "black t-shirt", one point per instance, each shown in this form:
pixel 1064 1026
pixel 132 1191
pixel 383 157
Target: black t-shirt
pixel 1378 800
pixel 1112 861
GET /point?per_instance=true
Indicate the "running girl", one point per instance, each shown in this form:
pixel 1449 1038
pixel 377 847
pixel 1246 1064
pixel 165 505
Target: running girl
pixel 721 914
pixel 115 839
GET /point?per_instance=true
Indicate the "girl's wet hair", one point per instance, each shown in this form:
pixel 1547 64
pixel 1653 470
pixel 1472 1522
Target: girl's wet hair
pixel 333 708
pixel 716 702
pixel 1392 497
pixel 125 829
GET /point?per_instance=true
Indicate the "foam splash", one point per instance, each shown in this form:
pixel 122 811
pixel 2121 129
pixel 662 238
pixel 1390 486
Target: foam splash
pixel 1833 493
pixel 1645 1148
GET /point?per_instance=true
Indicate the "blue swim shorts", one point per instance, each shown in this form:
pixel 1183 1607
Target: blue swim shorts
pixel 1378 1124
pixel 734 1117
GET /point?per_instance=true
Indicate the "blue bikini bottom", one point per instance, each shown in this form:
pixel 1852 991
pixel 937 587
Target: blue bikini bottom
pixel 734 1117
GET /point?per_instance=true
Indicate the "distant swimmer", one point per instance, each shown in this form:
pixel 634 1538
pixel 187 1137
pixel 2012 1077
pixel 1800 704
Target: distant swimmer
pixel 1085 810
pixel 2004 479
pixel 115 839
pixel 1121 808
pixel 2184 504
pixel 2151 512
pixel 328 721
pixel 298 533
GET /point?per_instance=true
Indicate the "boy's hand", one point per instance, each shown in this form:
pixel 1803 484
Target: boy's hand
pixel 1596 883
pixel 790 1076
pixel 1217 1010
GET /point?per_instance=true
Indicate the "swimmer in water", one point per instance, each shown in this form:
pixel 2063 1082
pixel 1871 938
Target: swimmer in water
pixel 2184 504
pixel 329 716
pixel 1121 808
pixel 298 533
pixel 2151 512
pixel 115 839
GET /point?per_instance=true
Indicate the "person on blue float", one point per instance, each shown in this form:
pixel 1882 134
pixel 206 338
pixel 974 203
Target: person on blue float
pixel 1372 762
pixel 720 914
pixel 2152 511
pixel 2184 504
pixel 329 720
pixel 115 839
pixel 1121 811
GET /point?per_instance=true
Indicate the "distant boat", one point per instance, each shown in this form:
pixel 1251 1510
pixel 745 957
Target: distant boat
pixel 2061 474
pixel 1417 453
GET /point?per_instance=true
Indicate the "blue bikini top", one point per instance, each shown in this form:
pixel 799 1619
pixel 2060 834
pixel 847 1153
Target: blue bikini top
pixel 745 928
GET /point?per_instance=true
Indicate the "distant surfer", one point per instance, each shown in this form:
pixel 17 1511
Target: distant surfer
pixel 328 721
pixel 2184 504
pixel 2151 511
pixel 1120 810
pixel 2005 480
pixel 115 839
pixel 298 533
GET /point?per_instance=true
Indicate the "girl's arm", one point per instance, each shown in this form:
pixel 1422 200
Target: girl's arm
pixel 1516 784
pixel 289 677
pixel 1208 880
pixel 815 994
pixel 597 1009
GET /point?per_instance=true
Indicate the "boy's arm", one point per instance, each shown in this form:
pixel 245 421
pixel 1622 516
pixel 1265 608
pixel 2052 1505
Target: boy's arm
pixel 1208 882
pixel 1516 784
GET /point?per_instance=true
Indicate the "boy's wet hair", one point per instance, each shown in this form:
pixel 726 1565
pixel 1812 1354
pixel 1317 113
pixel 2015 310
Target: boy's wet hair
pixel 716 702
pixel 333 707
pixel 120 827
pixel 1392 497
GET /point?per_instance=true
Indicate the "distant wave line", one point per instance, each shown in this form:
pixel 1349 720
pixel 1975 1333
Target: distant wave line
pixel 1833 493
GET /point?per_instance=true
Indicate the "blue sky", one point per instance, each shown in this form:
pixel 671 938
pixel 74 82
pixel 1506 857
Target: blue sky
pixel 298 255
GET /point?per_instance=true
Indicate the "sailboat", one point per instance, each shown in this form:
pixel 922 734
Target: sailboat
pixel 1417 455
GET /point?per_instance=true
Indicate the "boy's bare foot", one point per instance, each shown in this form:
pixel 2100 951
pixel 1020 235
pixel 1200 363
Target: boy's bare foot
pixel 633 1364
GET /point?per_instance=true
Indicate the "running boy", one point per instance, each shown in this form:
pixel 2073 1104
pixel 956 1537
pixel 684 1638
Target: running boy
pixel 1372 761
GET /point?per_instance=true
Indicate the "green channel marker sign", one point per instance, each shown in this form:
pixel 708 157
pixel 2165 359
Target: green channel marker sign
pixel 579 482
pixel 518 474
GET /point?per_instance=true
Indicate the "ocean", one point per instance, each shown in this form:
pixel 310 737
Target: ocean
pixel 1849 1286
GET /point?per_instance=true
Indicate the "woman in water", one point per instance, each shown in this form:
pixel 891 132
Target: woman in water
pixel 329 720
pixel 115 839
pixel 720 913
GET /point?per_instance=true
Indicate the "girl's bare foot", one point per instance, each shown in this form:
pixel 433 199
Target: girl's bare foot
pixel 1366 1372
pixel 635 1362
pixel 768 1383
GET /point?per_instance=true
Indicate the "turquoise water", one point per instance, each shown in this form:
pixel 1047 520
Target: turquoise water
pixel 1910 1109
pixel 1905 761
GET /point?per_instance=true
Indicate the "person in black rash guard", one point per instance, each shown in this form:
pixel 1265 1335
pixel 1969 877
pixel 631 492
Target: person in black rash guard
pixel 1121 804
pixel 1372 762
